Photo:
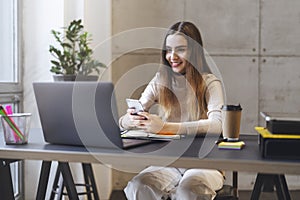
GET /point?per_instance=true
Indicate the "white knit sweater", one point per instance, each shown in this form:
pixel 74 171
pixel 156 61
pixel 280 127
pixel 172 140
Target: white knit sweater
pixel 214 99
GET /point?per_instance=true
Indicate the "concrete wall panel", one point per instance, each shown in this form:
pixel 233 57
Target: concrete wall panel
pixel 280 84
pixel 240 77
pixel 132 72
pixel 132 14
pixel 228 26
pixel 280 27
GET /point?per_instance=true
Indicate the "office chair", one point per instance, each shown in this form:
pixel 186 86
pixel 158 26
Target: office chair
pixel 229 192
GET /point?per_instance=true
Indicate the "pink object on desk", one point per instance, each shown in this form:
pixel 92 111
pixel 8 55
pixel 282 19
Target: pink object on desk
pixel 9 111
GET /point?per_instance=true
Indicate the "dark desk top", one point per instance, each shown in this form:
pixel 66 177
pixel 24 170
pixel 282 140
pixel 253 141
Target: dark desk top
pixel 188 153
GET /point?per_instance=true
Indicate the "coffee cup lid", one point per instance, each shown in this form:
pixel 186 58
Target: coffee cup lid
pixel 231 107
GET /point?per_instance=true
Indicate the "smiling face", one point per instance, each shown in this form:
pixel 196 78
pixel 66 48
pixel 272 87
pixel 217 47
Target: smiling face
pixel 177 52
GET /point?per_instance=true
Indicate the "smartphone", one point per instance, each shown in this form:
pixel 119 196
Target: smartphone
pixel 136 104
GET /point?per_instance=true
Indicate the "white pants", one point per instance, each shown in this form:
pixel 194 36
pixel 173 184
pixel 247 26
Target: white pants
pixel 156 183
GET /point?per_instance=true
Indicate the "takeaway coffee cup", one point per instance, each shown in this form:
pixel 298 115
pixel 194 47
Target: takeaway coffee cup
pixel 231 116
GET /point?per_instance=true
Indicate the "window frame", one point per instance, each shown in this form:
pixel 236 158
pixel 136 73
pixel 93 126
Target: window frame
pixel 16 86
pixel 12 92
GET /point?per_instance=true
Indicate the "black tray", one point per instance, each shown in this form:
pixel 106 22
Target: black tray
pixel 275 146
pixel 282 123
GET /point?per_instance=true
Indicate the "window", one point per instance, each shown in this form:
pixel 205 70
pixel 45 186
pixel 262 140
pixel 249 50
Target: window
pixel 10 75
pixel 9 41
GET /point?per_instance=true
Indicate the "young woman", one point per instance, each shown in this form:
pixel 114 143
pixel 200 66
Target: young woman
pixel 190 100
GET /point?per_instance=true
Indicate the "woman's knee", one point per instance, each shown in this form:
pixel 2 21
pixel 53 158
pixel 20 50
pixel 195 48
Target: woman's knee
pixel 194 189
pixel 142 180
pixel 197 182
pixel 211 178
pixel 195 185
pixel 142 187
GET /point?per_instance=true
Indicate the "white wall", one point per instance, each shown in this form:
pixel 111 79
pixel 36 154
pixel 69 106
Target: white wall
pixel 39 17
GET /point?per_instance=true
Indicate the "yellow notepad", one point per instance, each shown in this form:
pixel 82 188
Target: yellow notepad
pixel 231 145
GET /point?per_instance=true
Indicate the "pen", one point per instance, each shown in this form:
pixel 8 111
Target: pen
pixel 11 124
pixel 123 132
pixel 10 112
pixel 165 133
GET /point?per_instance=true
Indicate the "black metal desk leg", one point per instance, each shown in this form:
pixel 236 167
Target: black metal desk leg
pixel 281 187
pixel 68 180
pixel 235 184
pixel 43 181
pixel 257 187
pixel 58 185
pixel 6 185
pixel 90 180
pixel 86 175
pixel 277 180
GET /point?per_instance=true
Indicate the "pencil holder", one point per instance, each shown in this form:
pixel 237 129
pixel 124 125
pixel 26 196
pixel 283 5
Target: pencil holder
pixel 16 128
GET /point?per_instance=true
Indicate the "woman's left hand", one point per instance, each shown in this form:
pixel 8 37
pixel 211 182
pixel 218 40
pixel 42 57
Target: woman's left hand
pixel 152 123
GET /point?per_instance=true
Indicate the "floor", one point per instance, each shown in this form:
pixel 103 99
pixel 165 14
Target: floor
pixel 243 195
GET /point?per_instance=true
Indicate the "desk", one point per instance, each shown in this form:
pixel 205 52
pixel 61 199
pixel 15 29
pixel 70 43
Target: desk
pixel 248 159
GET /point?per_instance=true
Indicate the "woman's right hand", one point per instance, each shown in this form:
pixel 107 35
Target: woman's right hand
pixel 131 120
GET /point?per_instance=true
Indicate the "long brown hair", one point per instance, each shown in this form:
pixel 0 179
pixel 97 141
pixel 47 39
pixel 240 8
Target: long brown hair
pixel 196 65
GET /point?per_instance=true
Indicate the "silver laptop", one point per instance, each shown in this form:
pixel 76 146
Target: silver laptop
pixel 80 113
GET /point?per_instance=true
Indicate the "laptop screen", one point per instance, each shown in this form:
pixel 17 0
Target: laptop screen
pixel 78 113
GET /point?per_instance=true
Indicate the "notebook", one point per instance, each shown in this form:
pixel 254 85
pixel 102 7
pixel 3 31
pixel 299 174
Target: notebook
pixel 80 113
pixel 146 135
pixel 282 123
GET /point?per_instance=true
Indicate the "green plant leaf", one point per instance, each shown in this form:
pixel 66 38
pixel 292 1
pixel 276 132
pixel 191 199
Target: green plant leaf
pixel 73 56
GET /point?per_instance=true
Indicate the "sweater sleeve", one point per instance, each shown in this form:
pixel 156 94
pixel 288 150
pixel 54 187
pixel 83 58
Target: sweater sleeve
pixel 149 97
pixel 215 99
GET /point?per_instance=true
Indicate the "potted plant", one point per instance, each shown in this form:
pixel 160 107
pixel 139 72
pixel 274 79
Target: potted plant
pixel 73 59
